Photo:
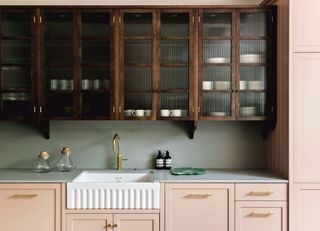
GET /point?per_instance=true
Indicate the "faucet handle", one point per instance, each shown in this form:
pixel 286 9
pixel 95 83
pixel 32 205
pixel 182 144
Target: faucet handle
pixel 124 159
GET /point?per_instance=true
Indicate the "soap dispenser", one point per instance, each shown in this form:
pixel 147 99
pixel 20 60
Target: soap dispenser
pixel 159 161
pixel 167 161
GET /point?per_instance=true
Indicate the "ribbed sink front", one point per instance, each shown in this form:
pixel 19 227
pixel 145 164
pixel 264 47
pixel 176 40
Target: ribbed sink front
pixel 110 190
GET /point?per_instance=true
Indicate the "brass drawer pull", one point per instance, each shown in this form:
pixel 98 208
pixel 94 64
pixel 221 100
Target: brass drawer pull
pixel 24 196
pixel 115 226
pixel 253 193
pixel 198 195
pixel 253 214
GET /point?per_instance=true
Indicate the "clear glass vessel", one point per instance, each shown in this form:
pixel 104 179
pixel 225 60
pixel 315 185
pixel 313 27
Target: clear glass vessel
pixel 65 163
pixel 43 164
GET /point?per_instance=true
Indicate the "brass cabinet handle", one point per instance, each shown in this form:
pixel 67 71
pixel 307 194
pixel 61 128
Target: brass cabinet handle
pixel 199 195
pixel 24 196
pixel 254 214
pixel 109 226
pixel 253 193
pixel 115 226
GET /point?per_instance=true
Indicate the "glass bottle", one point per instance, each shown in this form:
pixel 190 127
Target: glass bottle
pixel 159 161
pixel 65 163
pixel 167 161
pixel 43 164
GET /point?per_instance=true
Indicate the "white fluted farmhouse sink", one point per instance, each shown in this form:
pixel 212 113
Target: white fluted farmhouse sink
pixel 113 190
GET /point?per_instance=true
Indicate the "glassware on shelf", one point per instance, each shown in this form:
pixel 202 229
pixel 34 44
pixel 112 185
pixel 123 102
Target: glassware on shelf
pixel 43 164
pixel 65 163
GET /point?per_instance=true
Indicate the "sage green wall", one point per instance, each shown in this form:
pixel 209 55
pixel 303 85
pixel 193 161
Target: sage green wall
pixel 216 144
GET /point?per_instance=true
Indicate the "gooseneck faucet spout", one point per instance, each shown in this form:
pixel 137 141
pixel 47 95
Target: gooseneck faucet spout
pixel 116 142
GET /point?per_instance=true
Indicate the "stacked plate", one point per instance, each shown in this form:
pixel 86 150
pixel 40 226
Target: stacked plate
pixel 218 60
pixel 252 58
pixel 248 111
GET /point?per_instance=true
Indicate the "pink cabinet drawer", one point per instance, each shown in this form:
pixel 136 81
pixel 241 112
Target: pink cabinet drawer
pixel 261 192
pixel 262 216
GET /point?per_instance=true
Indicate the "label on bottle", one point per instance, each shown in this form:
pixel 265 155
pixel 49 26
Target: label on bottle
pixel 159 163
pixel 168 162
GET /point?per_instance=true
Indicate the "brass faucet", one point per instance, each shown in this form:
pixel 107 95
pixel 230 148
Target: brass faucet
pixel 116 140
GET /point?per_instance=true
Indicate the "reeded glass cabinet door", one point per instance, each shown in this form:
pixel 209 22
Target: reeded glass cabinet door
pixel 59 63
pixel 217 65
pixel 176 63
pixel 96 64
pixel 16 64
pixel 137 64
pixel 253 65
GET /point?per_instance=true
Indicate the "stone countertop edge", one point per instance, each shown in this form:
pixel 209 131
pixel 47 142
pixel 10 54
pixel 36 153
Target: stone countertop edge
pixel 162 176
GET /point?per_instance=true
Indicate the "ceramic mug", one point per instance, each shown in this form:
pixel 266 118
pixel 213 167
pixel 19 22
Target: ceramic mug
pixel 53 84
pixel 128 112
pixel 165 112
pixel 207 85
pixel 85 84
pixel 138 113
pixel 64 84
pixel 96 84
pixel 148 113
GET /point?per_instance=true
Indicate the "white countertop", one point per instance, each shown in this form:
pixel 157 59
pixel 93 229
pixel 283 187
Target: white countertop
pixel 212 176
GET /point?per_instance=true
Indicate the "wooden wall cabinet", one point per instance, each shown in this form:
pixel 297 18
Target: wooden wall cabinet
pixel 199 207
pixel 30 207
pixel 113 222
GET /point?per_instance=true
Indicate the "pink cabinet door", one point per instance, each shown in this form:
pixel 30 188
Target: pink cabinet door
pixel 305 124
pixel 305 19
pixel 205 207
pixel 29 207
pixel 262 216
pixel 306 207
pixel 136 222
pixel 89 222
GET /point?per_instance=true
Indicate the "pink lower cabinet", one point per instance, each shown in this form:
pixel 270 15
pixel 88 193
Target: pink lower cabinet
pixel 262 216
pixel 306 207
pixel 136 222
pixel 113 222
pixel 205 207
pixel 89 222
pixel 34 207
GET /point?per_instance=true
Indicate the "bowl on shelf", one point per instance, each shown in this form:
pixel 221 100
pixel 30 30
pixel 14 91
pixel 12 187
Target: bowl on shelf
pixel 248 111
pixel 218 113
pixel 217 60
pixel 256 85
pixel 221 85
pixel 243 85
pixel 207 85
pixel 252 58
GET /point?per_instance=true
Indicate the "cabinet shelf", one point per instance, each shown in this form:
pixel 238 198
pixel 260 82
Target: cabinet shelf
pixel 95 38
pixel 174 37
pixel 138 38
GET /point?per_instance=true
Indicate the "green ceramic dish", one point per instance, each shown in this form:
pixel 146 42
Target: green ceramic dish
pixel 188 171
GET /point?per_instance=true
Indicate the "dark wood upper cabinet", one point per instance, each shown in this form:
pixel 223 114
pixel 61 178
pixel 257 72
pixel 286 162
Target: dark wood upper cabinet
pixel 235 71
pixel 138 64
pixel 17 79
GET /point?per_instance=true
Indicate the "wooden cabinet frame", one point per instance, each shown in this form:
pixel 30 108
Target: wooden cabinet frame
pixel 117 61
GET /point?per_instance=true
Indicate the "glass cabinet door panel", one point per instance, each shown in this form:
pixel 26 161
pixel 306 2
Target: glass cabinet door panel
pixel 177 103
pixel 216 104
pixel 137 105
pixel 174 78
pixel 95 25
pixel 174 24
pixel 216 78
pixel 216 51
pixel 58 25
pixel 137 24
pixel 95 52
pixel 217 24
pixel 138 52
pixel 59 79
pixel 174 51
pixel 96 64
pixel 253 24
pixel 16 51
pixel 59 52
pixel 95 104
pixel 60 104
pixel 253 51
pixel 16 84
pixel 16 78
pixel 252 104
pixel 253 78
pixel 16 24
pixel 138 78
